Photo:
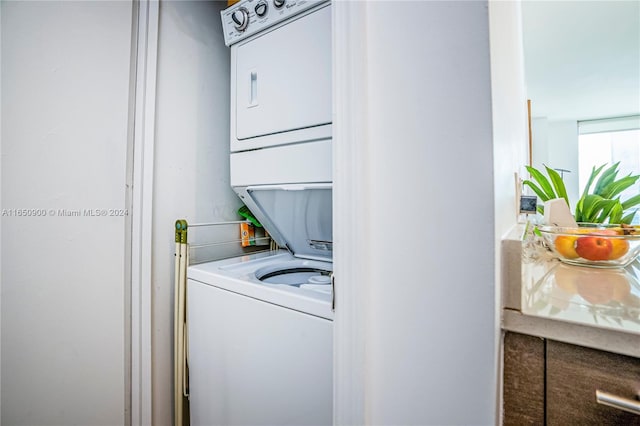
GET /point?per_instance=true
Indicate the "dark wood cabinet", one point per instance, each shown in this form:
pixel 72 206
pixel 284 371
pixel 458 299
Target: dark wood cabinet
pixel 523 391
pixel 574 373
pixel 554 383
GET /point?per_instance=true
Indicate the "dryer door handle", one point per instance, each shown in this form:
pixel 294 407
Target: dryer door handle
pixel 253 88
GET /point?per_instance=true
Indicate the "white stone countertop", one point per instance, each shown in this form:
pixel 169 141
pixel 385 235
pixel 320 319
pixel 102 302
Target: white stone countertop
pixel 592 307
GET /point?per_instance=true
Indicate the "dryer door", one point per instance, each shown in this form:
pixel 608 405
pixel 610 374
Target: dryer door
pixel 283 78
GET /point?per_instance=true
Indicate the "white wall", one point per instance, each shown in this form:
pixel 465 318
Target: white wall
pixel 0 219
pixel 431 323
pixel 563 154
pixel 65 104
pixel 191 160
pixel 509 111
pixel 555 143
pixel 428 287
pixel 539 144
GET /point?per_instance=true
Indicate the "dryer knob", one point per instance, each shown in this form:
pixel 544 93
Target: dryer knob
pixel 278 3
pixel 240 18
pixel 261 9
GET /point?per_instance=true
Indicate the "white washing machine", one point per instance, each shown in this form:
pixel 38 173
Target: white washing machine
pixel 260 326
pixel 260 352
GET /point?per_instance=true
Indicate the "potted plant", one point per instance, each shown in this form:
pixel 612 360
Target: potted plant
pixel 602 205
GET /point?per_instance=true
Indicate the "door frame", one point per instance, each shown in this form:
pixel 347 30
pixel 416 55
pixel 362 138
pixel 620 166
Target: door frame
pixel 350 226
pixel 140 199
pixel 349 124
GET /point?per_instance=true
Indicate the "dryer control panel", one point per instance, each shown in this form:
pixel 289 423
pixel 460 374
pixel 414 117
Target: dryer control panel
pixel 249 17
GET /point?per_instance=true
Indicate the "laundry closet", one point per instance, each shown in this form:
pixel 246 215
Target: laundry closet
pixel 259 327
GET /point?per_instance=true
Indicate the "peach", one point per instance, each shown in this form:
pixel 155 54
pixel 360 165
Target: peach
pixel 594 247
pixel 565 245
pixel 620 247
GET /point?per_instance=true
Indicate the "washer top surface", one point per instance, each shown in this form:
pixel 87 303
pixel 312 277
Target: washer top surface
pixel 303 285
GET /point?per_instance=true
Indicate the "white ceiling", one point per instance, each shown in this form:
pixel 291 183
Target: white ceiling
pixel 582 58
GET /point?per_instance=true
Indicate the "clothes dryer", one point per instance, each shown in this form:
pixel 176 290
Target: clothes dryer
pixel 280 72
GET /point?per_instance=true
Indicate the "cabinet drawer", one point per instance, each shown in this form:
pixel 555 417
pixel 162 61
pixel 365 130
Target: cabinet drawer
pixel 574 374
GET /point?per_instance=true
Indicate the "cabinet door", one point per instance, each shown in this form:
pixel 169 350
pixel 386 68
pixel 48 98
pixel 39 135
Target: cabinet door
pixel 574 374
pixel 523 396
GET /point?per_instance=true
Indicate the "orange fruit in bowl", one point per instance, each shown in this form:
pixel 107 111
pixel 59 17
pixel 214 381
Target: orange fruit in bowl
pixel 620 248
pixel 565 245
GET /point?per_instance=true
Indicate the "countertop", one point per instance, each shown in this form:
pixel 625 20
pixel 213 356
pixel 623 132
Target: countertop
pixel 592 307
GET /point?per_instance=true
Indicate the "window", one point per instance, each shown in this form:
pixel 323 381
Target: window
pixel 609 141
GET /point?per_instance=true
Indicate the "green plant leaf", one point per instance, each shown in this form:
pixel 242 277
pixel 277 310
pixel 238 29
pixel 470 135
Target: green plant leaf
pixel 608 207
pixel 543 182
pixel 615 215
pixel 601 185
pixel 558 184
pixel 628 218
pixel 604 208
pixel 594 173
pixel 616 187
pixel 539 192
pixel 589 205
pixel 578 213
pixel 537 232
pixel 608 176
pixel 633 201
pixel 596 208
pixel 601 205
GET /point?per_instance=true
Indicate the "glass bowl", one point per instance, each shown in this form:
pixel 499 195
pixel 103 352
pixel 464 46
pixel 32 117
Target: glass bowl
pixel 593 244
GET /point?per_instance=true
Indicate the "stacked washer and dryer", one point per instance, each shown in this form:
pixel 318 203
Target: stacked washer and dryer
pixel 260 326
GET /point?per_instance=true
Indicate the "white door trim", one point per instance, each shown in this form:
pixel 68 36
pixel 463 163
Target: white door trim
pixel 142 211
pixel 350 225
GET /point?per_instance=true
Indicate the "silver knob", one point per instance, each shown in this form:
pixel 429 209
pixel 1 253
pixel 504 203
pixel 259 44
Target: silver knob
pixel 278 3
pixel 261 8
pixel 240 18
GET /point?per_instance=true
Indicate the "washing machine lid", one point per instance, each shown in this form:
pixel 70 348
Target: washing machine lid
pixel 297 216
